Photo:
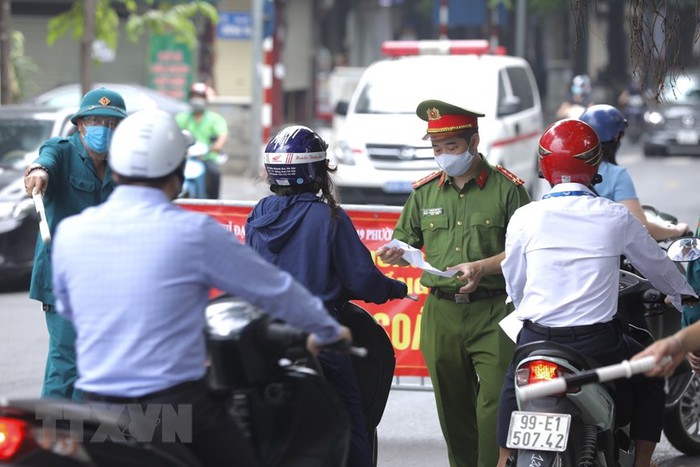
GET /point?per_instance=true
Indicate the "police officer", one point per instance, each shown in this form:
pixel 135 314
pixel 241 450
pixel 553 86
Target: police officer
pixel 459 214
pixel 73 174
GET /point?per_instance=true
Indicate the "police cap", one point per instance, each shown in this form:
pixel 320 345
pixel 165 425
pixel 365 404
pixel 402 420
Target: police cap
pixel 446 120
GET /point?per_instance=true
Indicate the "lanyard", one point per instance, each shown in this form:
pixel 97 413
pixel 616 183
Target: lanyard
pixel 568 193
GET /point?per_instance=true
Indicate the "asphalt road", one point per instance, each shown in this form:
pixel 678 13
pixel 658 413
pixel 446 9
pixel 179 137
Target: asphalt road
pixel 409 435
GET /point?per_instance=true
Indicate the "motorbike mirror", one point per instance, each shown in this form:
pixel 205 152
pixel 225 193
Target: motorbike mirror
pixel 684 249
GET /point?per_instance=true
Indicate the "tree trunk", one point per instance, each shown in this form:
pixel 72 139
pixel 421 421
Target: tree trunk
pixel 5 49
pixel 617 46
pixel 86 45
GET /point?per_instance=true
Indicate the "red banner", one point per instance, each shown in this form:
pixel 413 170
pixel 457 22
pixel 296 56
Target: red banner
pixel 374 225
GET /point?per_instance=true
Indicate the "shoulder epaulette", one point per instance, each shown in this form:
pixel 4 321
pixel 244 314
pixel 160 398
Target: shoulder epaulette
pixel 426 179
pixel 509 175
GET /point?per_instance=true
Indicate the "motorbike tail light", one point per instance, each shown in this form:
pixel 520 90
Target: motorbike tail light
pixel 13 432
pixel 537 371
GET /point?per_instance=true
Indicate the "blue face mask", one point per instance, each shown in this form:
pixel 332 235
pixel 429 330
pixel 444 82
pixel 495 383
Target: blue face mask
pixel 97 138
pixel 455 164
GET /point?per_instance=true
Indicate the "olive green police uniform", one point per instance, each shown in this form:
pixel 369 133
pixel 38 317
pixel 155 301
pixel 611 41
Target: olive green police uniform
pixel 466 352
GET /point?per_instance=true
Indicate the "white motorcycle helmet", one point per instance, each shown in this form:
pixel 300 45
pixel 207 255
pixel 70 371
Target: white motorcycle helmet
pixel 148 144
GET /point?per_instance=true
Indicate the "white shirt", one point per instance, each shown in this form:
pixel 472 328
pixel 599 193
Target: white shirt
pixel 134 275
pixel 563 257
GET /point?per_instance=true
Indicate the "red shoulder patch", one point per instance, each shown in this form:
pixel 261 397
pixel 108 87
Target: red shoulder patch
pixel 509 175
pixel 426 179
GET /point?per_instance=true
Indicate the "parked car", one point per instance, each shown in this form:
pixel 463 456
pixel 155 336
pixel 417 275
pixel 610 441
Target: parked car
pixel 136 97
pixel 379 149
pixel 672 126
pixel 22 131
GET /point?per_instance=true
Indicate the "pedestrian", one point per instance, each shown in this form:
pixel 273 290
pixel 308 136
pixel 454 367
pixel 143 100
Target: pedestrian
pixel 562 274
pixel 616 183
pixel 459 215
pixel 303 230
pixel 207 127
pixel 72 173
pixel 134 275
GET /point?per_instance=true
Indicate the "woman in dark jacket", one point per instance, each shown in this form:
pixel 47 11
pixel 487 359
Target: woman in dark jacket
pixel 302 230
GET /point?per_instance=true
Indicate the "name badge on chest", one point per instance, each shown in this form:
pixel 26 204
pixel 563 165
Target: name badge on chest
pixel 432 212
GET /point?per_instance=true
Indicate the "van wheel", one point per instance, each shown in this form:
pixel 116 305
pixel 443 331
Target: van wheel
pixel 682 424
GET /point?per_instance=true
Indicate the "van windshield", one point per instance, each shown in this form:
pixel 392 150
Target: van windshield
pixel 401 94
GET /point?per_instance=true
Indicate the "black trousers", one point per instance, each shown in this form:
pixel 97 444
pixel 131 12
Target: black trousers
pixel 608 345
pixel 216 439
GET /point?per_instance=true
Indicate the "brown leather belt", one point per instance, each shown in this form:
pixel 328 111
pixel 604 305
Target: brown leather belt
pixel 479 294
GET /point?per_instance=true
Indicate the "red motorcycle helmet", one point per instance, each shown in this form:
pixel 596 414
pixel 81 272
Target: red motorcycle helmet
pixel 569 152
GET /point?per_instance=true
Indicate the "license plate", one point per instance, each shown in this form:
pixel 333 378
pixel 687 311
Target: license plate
pixel 398 187
pixel 538 431
pixel 687 137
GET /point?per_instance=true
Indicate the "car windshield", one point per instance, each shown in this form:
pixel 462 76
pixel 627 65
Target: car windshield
pixel 19 137
pixel 682 89
pixel 388 96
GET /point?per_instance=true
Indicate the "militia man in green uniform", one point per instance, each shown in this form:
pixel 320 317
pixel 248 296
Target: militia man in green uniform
pixel 459 215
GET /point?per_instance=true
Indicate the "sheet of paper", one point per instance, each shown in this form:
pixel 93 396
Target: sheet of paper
pixel 511 325
pixel 415 258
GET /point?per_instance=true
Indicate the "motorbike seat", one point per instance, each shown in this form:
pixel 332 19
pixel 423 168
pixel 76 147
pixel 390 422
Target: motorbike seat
pixel 554 349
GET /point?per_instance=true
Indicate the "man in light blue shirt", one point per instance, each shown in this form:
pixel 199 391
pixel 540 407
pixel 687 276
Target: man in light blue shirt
pixel 134 274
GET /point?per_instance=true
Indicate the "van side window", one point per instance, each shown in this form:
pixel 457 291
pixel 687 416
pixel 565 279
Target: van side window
pixel 521 86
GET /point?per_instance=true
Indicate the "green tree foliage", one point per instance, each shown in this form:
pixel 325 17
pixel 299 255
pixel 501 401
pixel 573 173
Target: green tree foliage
pixel 159 17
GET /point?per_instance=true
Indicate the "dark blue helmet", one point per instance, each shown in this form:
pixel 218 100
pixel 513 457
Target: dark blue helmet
pixel 606 120
pixel 294 155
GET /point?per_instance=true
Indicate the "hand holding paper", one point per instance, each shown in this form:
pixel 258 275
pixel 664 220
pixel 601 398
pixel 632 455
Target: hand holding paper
pixel 414 257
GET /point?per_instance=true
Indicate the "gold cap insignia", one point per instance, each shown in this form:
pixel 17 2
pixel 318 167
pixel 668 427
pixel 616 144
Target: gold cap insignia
pixel 433 114
pixel 104 101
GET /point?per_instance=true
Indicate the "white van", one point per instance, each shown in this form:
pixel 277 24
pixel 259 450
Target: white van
pixel 379 150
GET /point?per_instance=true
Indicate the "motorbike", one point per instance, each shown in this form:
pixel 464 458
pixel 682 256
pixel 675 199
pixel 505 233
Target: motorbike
pixel 259 366
pixel 194 185
pixel 201 177
pixel 577 427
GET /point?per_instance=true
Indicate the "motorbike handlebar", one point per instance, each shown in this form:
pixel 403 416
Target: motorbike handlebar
pixel 624 369
pixel 289 337
pixel 346 347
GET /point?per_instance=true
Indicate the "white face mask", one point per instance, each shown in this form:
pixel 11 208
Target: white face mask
pixel 455 164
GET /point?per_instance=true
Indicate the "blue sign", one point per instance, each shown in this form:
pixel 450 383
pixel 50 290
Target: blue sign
pixel 235 25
